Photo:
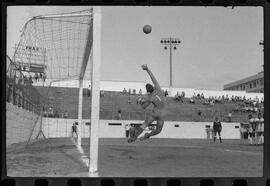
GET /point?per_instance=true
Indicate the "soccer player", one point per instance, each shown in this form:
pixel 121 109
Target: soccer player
pixel 217 129
pixel 74 129
pixel 259 131
pixel 157 99
pixel 127 127
pixel 252 130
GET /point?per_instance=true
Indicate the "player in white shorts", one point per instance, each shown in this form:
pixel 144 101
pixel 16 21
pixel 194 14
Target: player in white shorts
pixel 252 130
pixel 157 98
pixel 260 129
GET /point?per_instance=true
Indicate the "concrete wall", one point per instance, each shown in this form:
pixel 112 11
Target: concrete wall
pixel 104 85
pixel 19 124
pixel 62 128
pixel 120 85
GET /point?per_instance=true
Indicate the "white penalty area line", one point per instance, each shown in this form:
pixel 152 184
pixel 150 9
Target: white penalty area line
pixel 241 151
pixel 84 158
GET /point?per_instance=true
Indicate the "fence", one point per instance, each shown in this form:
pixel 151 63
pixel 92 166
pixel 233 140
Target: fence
pixel 19 89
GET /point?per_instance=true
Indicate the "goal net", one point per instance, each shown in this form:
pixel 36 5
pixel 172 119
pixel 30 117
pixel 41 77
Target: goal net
pixel 57 52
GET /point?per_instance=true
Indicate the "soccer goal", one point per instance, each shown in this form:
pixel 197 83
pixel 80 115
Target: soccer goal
pixel 61 55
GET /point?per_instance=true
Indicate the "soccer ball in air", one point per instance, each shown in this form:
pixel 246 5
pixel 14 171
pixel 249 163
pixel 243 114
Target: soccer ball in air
pixel 147 29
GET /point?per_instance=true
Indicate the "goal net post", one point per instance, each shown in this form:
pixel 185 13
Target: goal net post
pixel 95 91
pixel 67 47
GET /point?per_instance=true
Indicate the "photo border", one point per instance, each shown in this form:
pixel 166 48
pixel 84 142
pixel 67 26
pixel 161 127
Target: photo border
pixel 195 181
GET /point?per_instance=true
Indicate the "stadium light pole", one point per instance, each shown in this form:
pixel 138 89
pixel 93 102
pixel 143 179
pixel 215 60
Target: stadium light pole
pixel 171 44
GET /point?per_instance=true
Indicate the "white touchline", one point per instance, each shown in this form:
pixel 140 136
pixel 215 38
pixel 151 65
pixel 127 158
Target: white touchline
pixel 240 151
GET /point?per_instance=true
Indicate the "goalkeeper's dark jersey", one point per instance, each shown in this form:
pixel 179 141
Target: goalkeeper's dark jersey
pixel 217 126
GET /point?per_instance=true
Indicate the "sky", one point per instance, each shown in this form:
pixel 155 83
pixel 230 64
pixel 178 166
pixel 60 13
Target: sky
pixel 218 45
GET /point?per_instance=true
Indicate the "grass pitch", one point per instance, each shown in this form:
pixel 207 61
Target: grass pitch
pixel 150 158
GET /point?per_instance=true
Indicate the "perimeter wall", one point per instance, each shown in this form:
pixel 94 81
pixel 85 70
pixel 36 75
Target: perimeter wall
pixel 53 127
pixel 21 125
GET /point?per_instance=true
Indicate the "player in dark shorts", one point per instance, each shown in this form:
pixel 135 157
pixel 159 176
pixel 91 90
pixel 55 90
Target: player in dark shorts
pixel 217 129
pixel 157 99
pixel 74 129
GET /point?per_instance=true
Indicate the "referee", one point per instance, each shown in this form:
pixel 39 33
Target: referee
pixel 217 129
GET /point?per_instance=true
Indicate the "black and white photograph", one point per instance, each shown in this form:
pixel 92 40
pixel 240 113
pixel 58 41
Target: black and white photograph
pixel 134 91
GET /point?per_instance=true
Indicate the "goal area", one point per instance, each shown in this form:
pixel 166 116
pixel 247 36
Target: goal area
pixel 60 55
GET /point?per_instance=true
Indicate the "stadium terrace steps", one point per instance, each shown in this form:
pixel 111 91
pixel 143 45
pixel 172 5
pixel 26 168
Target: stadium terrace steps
pixel 66 99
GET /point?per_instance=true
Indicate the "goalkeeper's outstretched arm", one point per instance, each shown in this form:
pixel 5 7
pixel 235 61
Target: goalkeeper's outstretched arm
pixel 144 67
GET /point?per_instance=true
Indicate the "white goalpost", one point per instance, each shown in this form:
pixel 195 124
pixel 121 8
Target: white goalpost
pixel 95 89
pixel 95 98
pixel 72 42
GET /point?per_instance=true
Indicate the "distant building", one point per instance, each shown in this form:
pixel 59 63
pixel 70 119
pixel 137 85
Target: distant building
pixel 250 84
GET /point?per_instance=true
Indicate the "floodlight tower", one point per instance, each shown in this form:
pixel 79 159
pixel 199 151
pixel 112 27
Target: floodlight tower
pixel 170 43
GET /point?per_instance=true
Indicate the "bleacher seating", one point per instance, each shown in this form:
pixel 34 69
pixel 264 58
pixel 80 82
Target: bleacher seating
pixel 66 99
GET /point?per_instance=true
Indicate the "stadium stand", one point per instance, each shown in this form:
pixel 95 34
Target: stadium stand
pixel 62 100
